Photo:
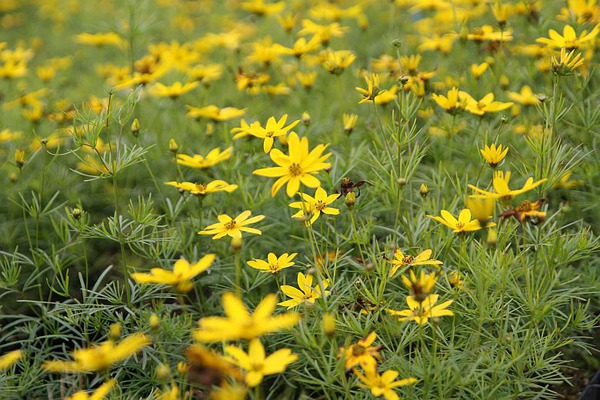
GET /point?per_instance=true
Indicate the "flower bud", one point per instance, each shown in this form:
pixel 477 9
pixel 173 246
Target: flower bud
pixel 20 158
pixel 401 182
pixel 76 213
pixel 424 190
pixel 154 322
pixel 115 331
pixel 173 146
pixel 306 118
pixel 135 127
pixel 163 372
pixel 350 200
pixel 328 324
pixel 237 244
pixel 492 237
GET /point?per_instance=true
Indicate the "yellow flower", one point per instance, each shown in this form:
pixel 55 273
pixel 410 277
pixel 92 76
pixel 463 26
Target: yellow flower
pixel 566 64
pixel 180 278
pixel 272 129
pixel 306 293
pixel 214 157
pixel 323 32
pixel 173 91
pixel 569 39
pixel 487 33
pixel 493 155
pixel 369 94
pixel 99 394
pixel 566 183
pixel 525 97
pixel 582 11
pixel 100 357
pixel 422 286
pixel 452 104
pixel 20 157
pixel 384 384
pixel 215 113
pixel 100 39
pixel 526 210
pixel 482 209
pixel 239 324
pixel 502 191
pixel 349 121
pixel 421 311
pixel 200 189
pixel 336 62
pixel 258 7
pixel 299 167
pixel 478 70
pixel 256 364
pixel 312 207
pixel 485 105
pixel 361 353
pixel 460 225
pixel 402 260
pixel 273 264
pixel 233 227
pixel 9 359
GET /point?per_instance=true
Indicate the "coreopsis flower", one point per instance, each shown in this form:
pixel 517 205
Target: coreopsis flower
pixel 566 64
pixel 402 260
pixel 214 157
pixel 526 97
pixel 260 8
pixel 566 183
pixel 493 155
pixel 272 129
pixel 215 113
pixel 305 293
pixel 100 39
pixel 273 264
pixel 299 167
pixel 525 211
pixel 9 359
pixel 384 384
pixel 301 47
pixel 501 190
pixel 306 79
pixel 361 354
pixel 232 227
pixel 463 224
pixel 482 209
pixel 421 311
pixel 479 69
pixel 569 40
pixel 207 368
pixel 488 33
pixel 455 280
pixel 175 90
pixel 180 278
pixel 500 13
pixel 239 324
pixel 485 105
pixel 453 103
pixel 336 62
pixel 312 207
pixel 201 190
pixel 255 362
pixel 98 394
pixel 205 74
pixel 349 121
pixel 100 357
pixel 582 11
pixel 20 158
pixel 421 286
pixel 323 32
pixel 372 90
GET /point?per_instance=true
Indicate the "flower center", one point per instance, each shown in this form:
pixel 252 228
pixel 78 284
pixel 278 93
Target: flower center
pixel 230 225
pixel 408 259
pixel 358 351
pixel 270 134
pixel 295 169
pixel 320 205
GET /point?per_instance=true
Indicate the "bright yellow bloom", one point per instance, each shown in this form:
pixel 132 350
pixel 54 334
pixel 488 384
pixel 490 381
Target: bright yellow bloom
pixel 420 312
pixel 349 121
pixel 369 94
pixel 361 353
pixel 9 359
pixel 569 39
pixel 215 113
pixel 460 225
pixel 402 260
pixel 214 157
pixel 273 264
pixel 256 364
pixel 258 7
pixel 478 70
pixel 453 103
pixel 205 74
pixel 384 384
pixel 336 62
pixel 180 278
pixel 100 357
pixel 323 32
pixel 482 209
pixel 272 129
pixel 422 286
pixel 493 155
pixel 485 105
pixel 526 97
pixel 99 394
pixel 299 167
pixel 201 190
pixel 487 33
pixel 567 64
pixel 239 324
pixel 566 183
pixel 100 39
pixel 233 227
pixel 501 189
pixel 173 91
pixel 305 294
pixel 582 11
pixel 312 207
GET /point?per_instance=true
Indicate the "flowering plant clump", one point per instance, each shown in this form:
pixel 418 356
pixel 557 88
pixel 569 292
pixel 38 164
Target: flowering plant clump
pixel 438 235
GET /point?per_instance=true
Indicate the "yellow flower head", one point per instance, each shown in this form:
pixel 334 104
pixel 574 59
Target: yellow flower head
pixel 569 40
pixel 9 359
pixel 402 260
pixel 99 394
pixel 482 209
pixel 312 207
pixel 201 190
pixel 214 157
pixel 361 353
pixel 422 286
pixel 485 105
pixel 299 167
pixel 273 264
pixel 463 224
pixel 215 113
pixel 421 311
pixel 384 384
pixel 175 90
pixel 239 324
pixel 501 189
pixel 181 276
pixel 233 227
pixel 306 292
pixel 493 155
pixel 369 94
pixel 272 129
pixel 526 97
pixel 452 103
pixel 567 63
pixel 349 121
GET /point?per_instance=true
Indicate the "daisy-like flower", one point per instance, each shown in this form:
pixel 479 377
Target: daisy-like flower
pixel 464 223
pixel 336 62
pixel 493 155
pixel 453 103
pixel 479 69
pixel 256 364
pixel 273 264
pixel 349 121
pixel 421 311
pixel 402 260
pixel 482 209
pixel 372 90
pixel 501 189
pixel 312 207
pixel 260 8
pixel 299 167
pixel 233 227
pixel 306 292
pixel 422 286
pixel 566 64
pixel 384 384
pixel 100 39
pixel 9 359
pixel 201 190
pixel 175 90
pixel 525 211
pixel 569 39
pixel 361 353
pixel 272 129
pixel 323 32
pixel 98 394
pixel 214 157
pixel 215 113
pixel 180 278
pixel 526 97
pixel 239 324
pixel 100 357
pixel 485 105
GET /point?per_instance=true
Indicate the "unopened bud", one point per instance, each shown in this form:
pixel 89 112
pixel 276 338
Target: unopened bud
pixel 237 243
pixel 424 190
pixel 154 322
pixel 173 146
pixel 163 372
pixel 401 182
pixel 397 43
pixel 350 200
pixel 20 158
pixel 76 213
pixel 135 127
pixel 306 118
pixel 542 98
pixel 328 324
pixel 115 331
pixel 492 237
